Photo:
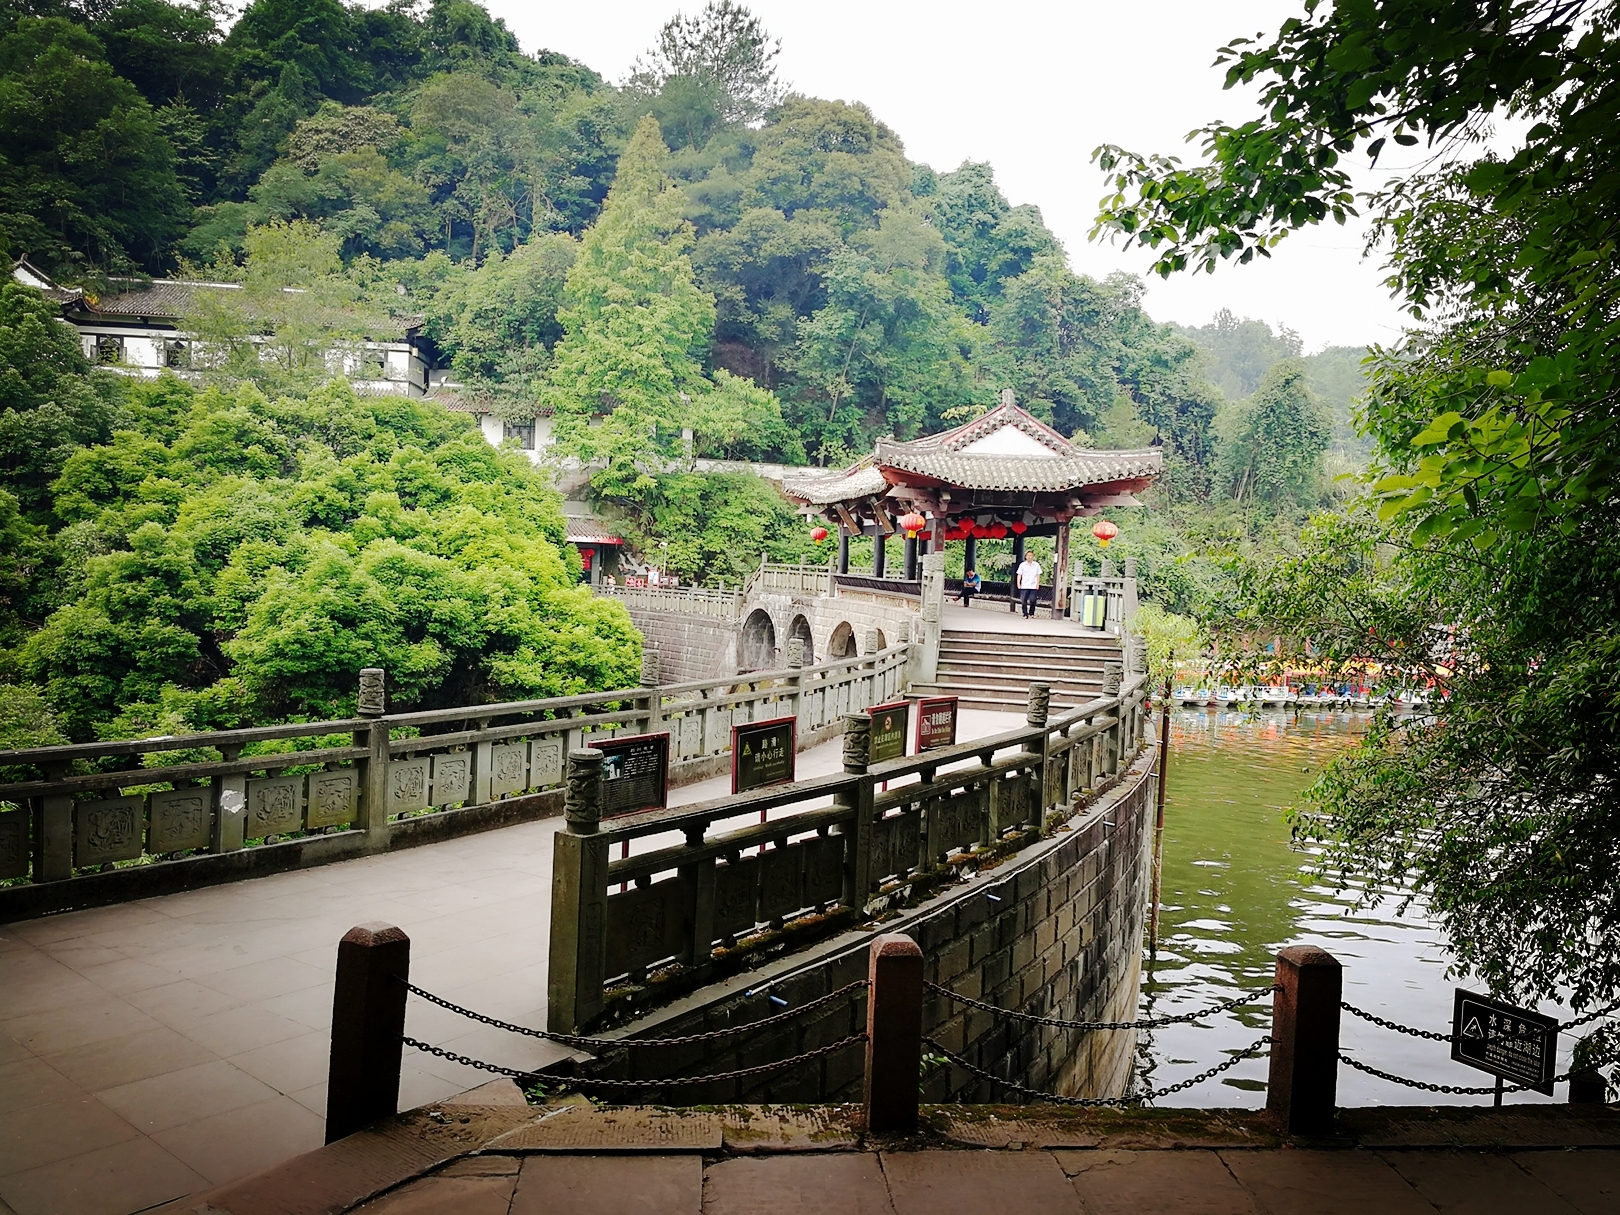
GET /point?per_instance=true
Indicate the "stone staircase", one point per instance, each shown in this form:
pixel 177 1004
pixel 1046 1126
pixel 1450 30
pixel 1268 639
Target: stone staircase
pixel 990 669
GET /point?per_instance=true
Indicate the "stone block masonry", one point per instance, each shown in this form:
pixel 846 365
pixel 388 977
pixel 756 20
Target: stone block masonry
pixel 689 648
pixel 1056 931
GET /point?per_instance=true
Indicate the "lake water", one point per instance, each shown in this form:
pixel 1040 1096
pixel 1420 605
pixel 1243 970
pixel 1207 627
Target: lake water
pixel 1234 891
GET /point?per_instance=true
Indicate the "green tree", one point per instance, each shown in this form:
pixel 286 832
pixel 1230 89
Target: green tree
pixel 636 327
pixel 49 404
pixel 721 61
pixel 1488 566
pixel 1274 442
pixel 87 179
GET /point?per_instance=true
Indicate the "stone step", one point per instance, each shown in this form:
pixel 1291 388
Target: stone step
pixel 1055 669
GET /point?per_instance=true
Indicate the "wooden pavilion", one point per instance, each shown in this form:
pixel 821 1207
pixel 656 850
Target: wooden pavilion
pixel 1004 474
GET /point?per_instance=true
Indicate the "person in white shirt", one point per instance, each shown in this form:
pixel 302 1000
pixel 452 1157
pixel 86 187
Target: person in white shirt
pixel 1029 584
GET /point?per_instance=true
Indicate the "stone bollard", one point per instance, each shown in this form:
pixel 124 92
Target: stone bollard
pixel 893 1035
pixel 1040 704
pixel 578 900
pixel 1303 1087
pixel 368 1018
pixel 370 701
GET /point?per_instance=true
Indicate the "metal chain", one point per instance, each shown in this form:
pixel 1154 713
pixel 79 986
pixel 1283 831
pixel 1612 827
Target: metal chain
pixel 608 1043
pixel 739 1074
pixel 589 1081
pixel 1247 1052
pixel 1434 1037
pixel 1151 1023
pixel 1591 1016
pixel 1447 1088
pixel 1395 1025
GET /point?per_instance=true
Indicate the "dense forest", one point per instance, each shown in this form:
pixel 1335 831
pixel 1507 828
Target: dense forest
pixel 690 249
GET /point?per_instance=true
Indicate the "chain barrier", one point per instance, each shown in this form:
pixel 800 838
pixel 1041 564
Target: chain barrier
pixel 1458 1089
pixel 579 1040
pixel 1247 1052
pixel 1151 1023
pixel 592 1081
pixel 1396 1026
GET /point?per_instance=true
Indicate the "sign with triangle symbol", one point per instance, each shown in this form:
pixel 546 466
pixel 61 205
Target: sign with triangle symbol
pixel 1472 1029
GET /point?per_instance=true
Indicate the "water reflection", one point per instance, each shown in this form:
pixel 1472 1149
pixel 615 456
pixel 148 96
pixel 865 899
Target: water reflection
pixel 1234 891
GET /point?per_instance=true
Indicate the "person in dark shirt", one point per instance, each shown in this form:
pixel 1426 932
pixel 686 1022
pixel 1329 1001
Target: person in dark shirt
pixel 970 587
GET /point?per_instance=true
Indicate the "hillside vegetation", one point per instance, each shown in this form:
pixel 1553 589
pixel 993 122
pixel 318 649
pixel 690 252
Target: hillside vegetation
pixel 691 250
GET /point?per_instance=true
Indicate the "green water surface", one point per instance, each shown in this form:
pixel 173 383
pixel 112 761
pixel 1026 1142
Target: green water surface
pixel 1234 891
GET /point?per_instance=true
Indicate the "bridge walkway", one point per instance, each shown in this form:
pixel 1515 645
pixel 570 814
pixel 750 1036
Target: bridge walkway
pixel 155 1048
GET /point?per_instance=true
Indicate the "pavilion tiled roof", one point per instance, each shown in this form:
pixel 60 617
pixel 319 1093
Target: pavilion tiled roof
pixel 1034 458
pixel 589 531
pixel 862 481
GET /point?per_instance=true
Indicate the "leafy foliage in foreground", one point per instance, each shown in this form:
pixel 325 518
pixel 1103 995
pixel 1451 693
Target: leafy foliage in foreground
pixel 1484 556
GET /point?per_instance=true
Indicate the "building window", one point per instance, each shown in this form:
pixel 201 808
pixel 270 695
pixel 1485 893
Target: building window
pixel 373 365
pixel 109 350
pixel 176 354
pixel 522 431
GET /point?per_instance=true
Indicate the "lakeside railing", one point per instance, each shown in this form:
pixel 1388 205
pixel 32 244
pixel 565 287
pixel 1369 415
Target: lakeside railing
pixel 639 892
pixel 1104 600
pixel 188 799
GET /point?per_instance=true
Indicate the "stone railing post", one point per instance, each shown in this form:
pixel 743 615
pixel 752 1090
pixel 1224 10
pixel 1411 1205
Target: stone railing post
pixel 578 900
pixel 858 851
pixel 53 831
pixel 894 1002
pixel 372 815
pixel 1303 1087
pixel 795 665
pixel 229 794
pixel 1036 712
pixel 1113 680
pixel 368 1017
pixel 652 702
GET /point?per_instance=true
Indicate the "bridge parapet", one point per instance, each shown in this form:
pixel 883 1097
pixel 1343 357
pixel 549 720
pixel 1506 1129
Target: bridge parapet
pixel 108 821
pixel 767 858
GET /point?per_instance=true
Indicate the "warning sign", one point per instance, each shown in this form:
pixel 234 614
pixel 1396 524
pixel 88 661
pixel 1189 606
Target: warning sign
pixel 763 753
pixel 1514 1043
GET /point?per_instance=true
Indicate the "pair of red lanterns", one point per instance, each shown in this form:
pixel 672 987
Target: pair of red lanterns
pixel 913 523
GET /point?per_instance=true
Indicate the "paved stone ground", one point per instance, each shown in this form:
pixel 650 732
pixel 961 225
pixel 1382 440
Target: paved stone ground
pixel 480 1160
pixel 158 1048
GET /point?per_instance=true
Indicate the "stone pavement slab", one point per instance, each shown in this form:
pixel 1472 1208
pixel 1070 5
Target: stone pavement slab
pixel 848 1184
pixel 1113 1182
pixel 974 1183
pixel 608 1185
pixel 1588 1180
pixel 1456 1182
pixel 1291 1181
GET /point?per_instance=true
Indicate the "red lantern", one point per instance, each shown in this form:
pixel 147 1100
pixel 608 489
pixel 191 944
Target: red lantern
pixel 818 534
pixel 1019 527
pixel 912 524
pixel 1104 531
pixel 999 531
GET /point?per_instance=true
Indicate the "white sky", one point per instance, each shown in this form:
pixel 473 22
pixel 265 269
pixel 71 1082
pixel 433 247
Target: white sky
pixel 1033 86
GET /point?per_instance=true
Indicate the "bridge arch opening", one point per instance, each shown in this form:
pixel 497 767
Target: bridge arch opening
pixel 842 642
pixel 800 628
pixel 758 641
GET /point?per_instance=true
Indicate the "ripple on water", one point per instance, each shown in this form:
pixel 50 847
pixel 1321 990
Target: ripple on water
pixel 1230 867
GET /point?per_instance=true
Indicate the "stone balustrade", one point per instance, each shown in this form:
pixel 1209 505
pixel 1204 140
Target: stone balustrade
pixel 681 887
pixel 96 823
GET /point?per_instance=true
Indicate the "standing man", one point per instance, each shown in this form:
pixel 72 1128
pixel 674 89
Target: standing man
pixel 1029 584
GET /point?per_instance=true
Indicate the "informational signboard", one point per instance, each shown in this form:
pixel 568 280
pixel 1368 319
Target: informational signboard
pixel 635 773
pixel 763 753
pixel 936 723
pixel 891 723
pixel 1514 1043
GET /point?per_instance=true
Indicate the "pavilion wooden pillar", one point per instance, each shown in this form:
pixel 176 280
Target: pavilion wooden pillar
pixel 880 552
pixel 910 574
pixel 1060 575
pixel 970 554
pixel 843 549
pixel 1017 560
